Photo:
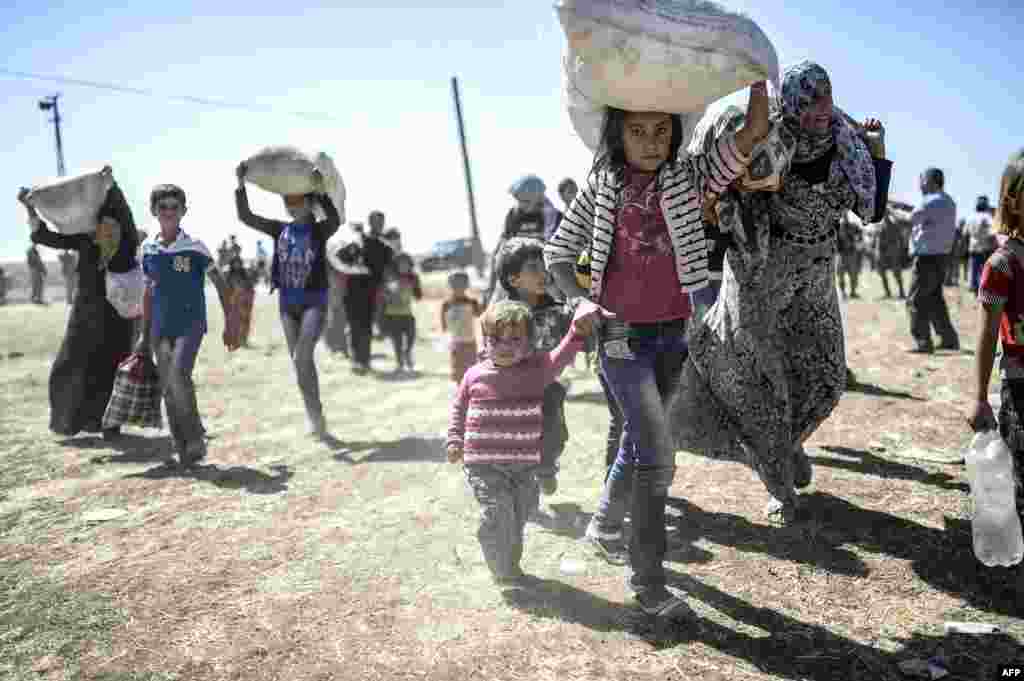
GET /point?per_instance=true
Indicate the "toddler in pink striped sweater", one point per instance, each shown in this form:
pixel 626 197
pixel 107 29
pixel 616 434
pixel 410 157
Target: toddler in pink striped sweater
pixel 496 425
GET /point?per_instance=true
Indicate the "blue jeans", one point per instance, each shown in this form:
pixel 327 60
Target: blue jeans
pixel 641 366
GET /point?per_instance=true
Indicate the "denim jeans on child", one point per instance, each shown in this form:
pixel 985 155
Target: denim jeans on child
pixel 175 360
pixel 302 326
pixel 507 494
pixel 641 364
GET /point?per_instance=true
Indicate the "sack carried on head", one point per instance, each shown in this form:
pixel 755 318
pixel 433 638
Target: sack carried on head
pixel 287 170
pixel 72 204
pixel 671 56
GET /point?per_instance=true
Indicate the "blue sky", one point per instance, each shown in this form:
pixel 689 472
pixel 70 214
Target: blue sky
pixel 944 80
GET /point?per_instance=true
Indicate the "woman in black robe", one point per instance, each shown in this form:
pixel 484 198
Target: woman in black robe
pixel 97 338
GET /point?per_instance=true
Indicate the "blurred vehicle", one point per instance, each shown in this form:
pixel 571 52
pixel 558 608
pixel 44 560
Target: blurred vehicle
pixel 448 254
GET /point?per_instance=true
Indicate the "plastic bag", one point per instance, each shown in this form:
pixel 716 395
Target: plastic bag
pixel 674 56
pixel 72 204
pixel 125 291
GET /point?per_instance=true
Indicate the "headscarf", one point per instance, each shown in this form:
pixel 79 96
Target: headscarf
pixel 802 84
pixel 116 237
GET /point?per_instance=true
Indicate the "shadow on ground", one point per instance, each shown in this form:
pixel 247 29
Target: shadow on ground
pixel 233 477
pixel 785 647
pixel 694 523
pixel 879 391
pixel 942 558
pixel 129 448
pixel 872 464
pixel 410 449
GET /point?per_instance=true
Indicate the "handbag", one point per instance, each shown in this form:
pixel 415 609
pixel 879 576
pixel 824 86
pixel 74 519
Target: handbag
pixel 135 399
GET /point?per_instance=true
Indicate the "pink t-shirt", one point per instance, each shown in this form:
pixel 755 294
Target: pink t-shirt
pixel 640 281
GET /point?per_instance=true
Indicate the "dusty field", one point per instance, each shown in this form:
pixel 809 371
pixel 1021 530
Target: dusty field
pixel 285 558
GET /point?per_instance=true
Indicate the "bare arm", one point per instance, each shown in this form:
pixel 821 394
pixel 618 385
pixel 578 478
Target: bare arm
pixel 143 344
pixel 981 417
pixel 329 226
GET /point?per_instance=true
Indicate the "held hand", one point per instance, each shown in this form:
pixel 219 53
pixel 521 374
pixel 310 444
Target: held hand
pixel 587 314
pixel 982 418
pixel 757 112
pixel 454 453
pixel 873 134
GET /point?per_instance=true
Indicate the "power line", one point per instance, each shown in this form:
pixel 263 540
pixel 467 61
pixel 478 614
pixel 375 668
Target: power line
pixel 150 93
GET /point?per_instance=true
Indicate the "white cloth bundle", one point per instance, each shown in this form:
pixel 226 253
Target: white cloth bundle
pixel 672 56
pixel 287 170
pixel 72 204
pixel 125 292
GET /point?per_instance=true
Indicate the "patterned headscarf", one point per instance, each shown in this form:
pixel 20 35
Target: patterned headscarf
pixel 802 84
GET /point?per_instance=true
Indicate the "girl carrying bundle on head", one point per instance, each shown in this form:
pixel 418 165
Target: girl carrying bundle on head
pixel 299 269
pixel 639 216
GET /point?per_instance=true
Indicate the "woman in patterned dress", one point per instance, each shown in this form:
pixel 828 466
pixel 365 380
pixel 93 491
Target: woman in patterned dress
pixel 767 364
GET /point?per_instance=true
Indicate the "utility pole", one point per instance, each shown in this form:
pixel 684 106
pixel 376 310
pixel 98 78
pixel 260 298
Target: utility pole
pixel 478 248
pixel 47 104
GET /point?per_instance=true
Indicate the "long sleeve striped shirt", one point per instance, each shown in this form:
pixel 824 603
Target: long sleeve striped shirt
pixel 592 218
pixel 496 415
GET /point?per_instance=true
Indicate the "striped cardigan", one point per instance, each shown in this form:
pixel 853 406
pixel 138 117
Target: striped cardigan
pixel 593 216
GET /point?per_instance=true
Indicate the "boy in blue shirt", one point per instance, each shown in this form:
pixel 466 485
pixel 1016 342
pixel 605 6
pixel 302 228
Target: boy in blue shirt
pixel 174 315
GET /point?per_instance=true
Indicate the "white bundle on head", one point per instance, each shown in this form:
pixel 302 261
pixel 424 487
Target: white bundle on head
pixel 670 56
pixel 287 170
pixel 72 204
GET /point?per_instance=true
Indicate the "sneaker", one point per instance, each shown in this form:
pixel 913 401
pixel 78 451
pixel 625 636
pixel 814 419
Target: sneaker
pixel 661 602
pixel 548 485
pixel 921 350
pixel 609 545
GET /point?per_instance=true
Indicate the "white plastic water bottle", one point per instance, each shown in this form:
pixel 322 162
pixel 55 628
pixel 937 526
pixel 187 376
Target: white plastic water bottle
pixel 995 523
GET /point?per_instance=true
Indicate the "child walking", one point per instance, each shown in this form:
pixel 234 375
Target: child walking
pixel 176 267
pixel 496 426
pixel 1001 294
pixel 401 286
pixel 299 269
pixel 523 277
pixel 457 315
pixel 640 219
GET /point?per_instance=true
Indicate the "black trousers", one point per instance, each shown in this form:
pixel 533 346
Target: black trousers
pixel 926 306
pixel 359 308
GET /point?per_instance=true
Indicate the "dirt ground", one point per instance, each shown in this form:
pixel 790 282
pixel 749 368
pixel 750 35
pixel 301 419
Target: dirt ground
pixel 285 558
